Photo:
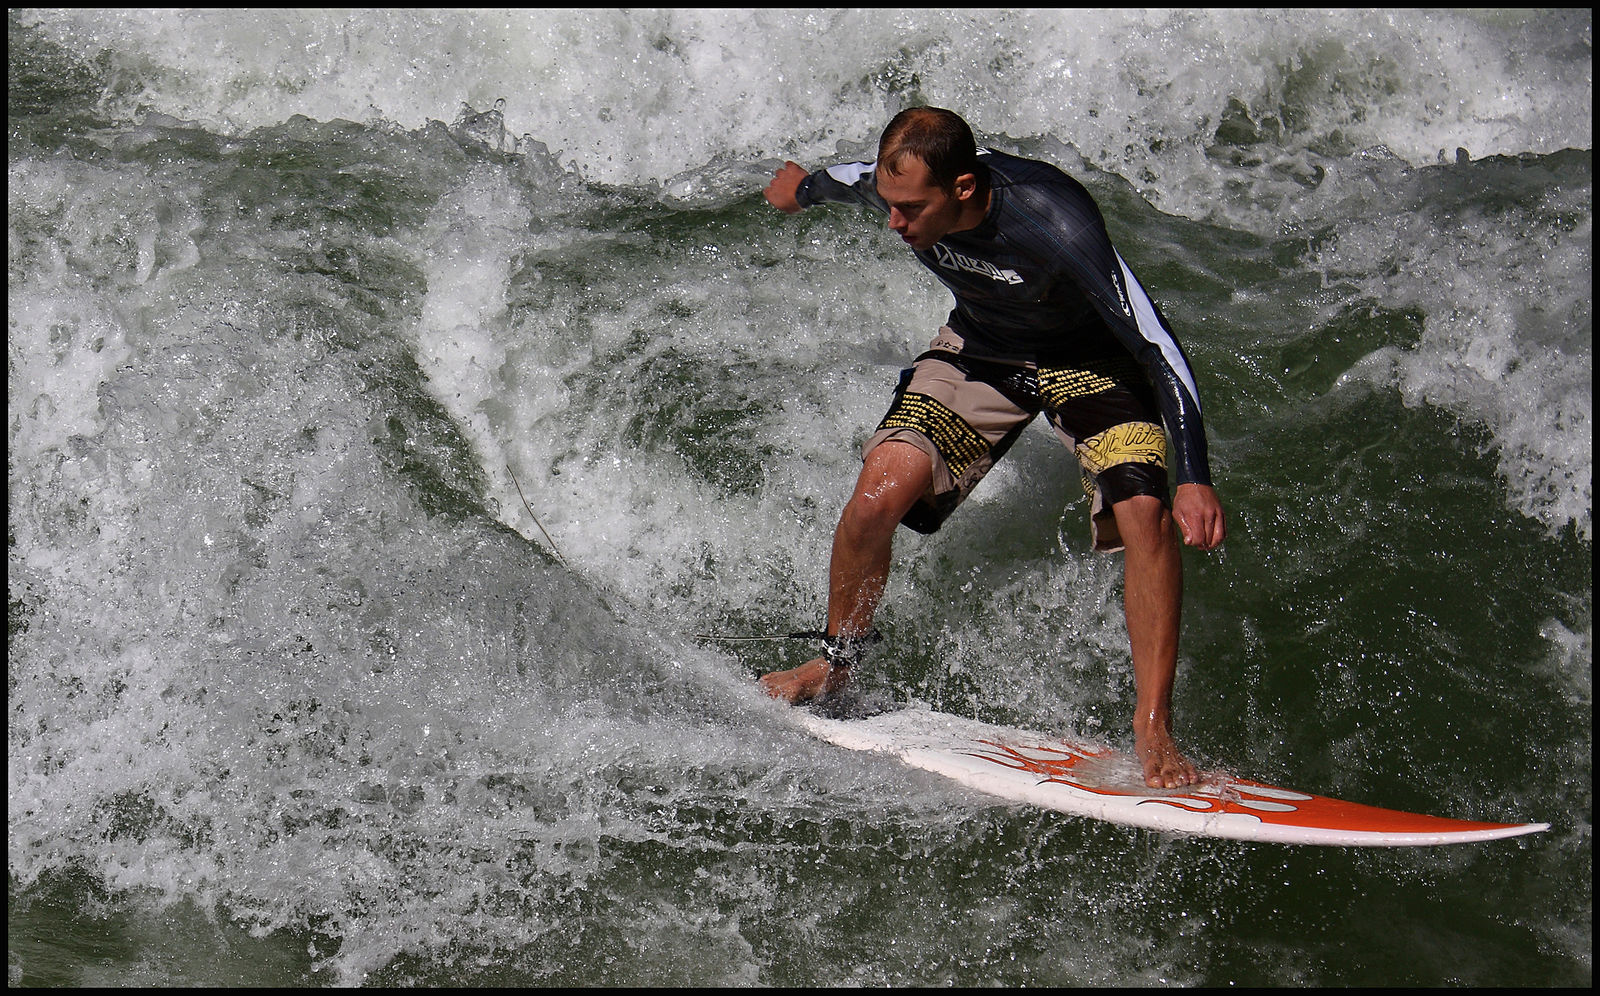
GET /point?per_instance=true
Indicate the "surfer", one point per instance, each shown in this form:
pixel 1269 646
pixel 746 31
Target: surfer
pixel 1048 319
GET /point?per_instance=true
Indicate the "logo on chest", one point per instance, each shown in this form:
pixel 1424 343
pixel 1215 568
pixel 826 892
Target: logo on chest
pixel 952 260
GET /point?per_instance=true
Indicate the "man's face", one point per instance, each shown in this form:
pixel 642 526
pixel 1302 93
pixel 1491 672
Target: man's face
pixel 920 211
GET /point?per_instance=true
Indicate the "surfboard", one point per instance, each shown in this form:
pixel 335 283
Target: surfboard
pixel 1093 780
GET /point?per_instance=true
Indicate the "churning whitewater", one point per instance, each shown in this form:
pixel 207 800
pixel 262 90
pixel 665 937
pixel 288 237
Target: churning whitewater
pixel 407 407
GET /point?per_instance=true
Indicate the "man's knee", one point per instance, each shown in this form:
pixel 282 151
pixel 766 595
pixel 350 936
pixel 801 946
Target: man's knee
pixel 1144 519
pixel 894 476
pixel 867 516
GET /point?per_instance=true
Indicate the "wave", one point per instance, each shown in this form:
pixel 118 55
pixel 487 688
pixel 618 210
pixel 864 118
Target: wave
pixel 626 97
pixel 288 643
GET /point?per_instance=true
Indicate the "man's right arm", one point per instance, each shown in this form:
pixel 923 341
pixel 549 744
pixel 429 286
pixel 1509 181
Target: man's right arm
pixel 780 193
pixel 793 189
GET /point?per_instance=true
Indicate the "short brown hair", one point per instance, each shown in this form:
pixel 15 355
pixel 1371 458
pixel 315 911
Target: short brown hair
pixel 940 139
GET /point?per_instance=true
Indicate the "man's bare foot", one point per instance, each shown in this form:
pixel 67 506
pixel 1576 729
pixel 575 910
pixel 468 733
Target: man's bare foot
pixel 810 680
pixel 1164 765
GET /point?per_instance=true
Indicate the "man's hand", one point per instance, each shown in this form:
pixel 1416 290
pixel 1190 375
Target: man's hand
pixel 780 192
pixel 1199 516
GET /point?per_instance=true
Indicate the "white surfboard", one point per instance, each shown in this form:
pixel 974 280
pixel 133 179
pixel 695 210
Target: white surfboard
pixel 1088 779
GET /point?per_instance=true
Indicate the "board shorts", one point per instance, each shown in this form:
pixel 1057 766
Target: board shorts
pixel 966 412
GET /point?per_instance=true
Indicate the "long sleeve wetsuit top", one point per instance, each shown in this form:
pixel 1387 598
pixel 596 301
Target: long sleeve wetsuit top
pixel 1038 280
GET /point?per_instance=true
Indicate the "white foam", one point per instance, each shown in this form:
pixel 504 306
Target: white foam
pixel 1507 313
pixel 273 679
pixel 636 96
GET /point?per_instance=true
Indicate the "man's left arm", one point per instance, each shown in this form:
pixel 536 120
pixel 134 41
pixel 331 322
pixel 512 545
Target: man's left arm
pixel 1139 324
pixel 1144 330
pixel 1109 283
pixel 1198 513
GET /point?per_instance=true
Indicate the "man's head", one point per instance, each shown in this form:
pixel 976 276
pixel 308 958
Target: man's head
pixel 937 138
pixel 929 175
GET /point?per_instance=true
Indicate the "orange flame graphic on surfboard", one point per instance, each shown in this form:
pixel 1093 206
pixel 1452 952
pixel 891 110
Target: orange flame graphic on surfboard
pixel 1219 794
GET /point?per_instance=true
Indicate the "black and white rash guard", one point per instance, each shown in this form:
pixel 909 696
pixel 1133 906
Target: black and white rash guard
pixel 1039 281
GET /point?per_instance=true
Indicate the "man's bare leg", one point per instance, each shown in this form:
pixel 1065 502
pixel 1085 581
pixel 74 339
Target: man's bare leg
pixel 893 477
pixel 1152 601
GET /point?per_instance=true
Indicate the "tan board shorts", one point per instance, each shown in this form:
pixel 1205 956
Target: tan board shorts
pixel 965 412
